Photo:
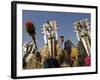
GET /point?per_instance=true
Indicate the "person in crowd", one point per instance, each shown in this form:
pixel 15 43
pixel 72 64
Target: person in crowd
pixel 51 63
pixel 81 53
pixel 68 48
pixel 87 60
pixel 62 41
pixel 74 56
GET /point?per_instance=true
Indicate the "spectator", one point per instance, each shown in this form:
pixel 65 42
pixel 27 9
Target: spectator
pixel 62 41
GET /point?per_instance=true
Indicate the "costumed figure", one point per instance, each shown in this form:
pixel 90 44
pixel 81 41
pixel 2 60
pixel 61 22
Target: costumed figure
pixel 31 57
pixel 53 55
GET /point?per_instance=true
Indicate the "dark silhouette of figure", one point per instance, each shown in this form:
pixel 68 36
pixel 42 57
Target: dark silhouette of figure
pixel 82 53
pixel 68 47
pixel 51 63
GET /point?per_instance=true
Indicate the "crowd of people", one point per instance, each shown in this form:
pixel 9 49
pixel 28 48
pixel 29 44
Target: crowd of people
pixel 68 55
pixel 76 55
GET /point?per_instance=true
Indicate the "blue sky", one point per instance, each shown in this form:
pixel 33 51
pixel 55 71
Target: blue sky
pixel 64 21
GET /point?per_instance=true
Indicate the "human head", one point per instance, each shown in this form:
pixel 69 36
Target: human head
pixel 51 63
pixel 61 39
